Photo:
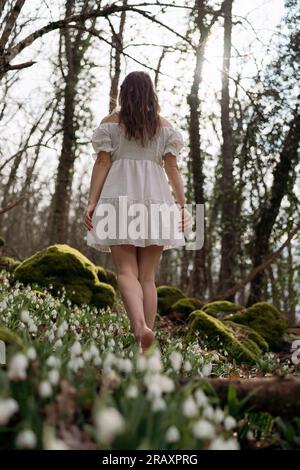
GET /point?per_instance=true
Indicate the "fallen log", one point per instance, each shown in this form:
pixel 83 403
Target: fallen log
pixel 278 395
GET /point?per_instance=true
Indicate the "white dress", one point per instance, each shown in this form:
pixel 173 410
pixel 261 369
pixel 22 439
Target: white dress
pixel 136 186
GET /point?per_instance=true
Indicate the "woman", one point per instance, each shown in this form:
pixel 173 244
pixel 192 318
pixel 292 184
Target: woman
pixel 134 145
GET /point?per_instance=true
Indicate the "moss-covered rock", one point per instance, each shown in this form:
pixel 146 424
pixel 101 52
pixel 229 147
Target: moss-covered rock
pixel 8 263
pixel 103 295
pixel 108 276
pixel 239 343
pixel 181 309
pixel 166 297
pixel 9 337
pixel 220 308
pixel 62 266
pixel 265 319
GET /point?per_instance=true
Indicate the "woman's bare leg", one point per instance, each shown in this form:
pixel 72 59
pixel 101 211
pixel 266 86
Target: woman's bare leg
pixel 148 260
pixel 125 260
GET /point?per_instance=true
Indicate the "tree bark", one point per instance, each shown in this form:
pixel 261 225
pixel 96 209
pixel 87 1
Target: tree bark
pixel 269 211
pixel 228 219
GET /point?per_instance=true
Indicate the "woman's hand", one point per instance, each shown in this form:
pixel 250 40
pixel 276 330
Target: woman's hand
pixel 186 220
pixel 88 216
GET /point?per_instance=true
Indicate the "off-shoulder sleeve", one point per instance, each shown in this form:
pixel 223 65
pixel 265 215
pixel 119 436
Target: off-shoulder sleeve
pixel 174 142
pixel 101 140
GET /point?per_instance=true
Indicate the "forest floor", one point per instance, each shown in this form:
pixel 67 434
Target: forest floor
pixel 74 379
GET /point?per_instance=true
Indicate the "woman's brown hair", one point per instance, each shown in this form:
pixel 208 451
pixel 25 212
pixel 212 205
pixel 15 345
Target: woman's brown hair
pixel 139 107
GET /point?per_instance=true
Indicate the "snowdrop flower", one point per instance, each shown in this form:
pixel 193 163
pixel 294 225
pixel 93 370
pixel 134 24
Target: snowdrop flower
pixel 218 415
pixel 31 353
pixel 111 343
pixel 172 434
pixel 200 397
pixel 141 363
pixel 53 376
pixel 53 361
pixel 109 423
pixel 87 355
pixel 94 351
pixel 132 391
pixel 220 444
pixel 8 407
pixel 229 423
pixel 158 404
pixel 45 389
pixel 32 327
pixel 130 354
pixel 25 317
pixel 126 365
pixel 203 429
pixel 97 361
pixel 58 344
pixel 75 349
pixel 153 390
pixel 206 369
pixel 26 439
pixel 109 360
pixel 187 366
pixel 154 362
pixel 208 412
pixel 17 367
pixel 189 407
pixel 95 334
pixel 176 360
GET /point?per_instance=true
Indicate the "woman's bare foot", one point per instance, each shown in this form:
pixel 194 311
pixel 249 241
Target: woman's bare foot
pixel 146 339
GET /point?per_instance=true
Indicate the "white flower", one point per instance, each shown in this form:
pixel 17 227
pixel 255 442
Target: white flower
pixel 45 389
pixel 229 423
pixel 189 407
pixel 141 363
pixel 53 376
pixel 8 407
pixel 250 435
pixel 25 317
pixel 176 360
pixel 32 327
pixel 172 434
pixel 97 361
pixel 31 353
pixel 206 369
pixel 203 429
pixel 17 367
pixel 200 397
pixel 154 362
pixel 220 444
pixel 132 391
pixel 187 366
pixel 109 423
pixel 26 439
pixel 53 361
pixel 58 344
pixel 208 412
pixel 75 349
pixel 218 415
pixel 158 404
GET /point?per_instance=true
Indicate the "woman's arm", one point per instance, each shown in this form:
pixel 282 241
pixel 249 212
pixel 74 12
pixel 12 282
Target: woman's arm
pixel 100 171
pixel 174 177
pixel 176 181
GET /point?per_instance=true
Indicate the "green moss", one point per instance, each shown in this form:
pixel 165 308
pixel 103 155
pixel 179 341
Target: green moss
pixel 8 263
pixel 63 266
pixel 103 295
pixel 186 305
pixel 107 275
pixel 265 319
pixel 220 307
pixel 240 347
pixel 244 331
pixel 167 296
pixel 9 337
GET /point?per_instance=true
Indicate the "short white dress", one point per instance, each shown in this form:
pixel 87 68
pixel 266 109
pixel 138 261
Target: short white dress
pixel 136 205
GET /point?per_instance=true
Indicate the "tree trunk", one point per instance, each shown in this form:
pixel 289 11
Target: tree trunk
pixel 269 211
pixel 228 240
